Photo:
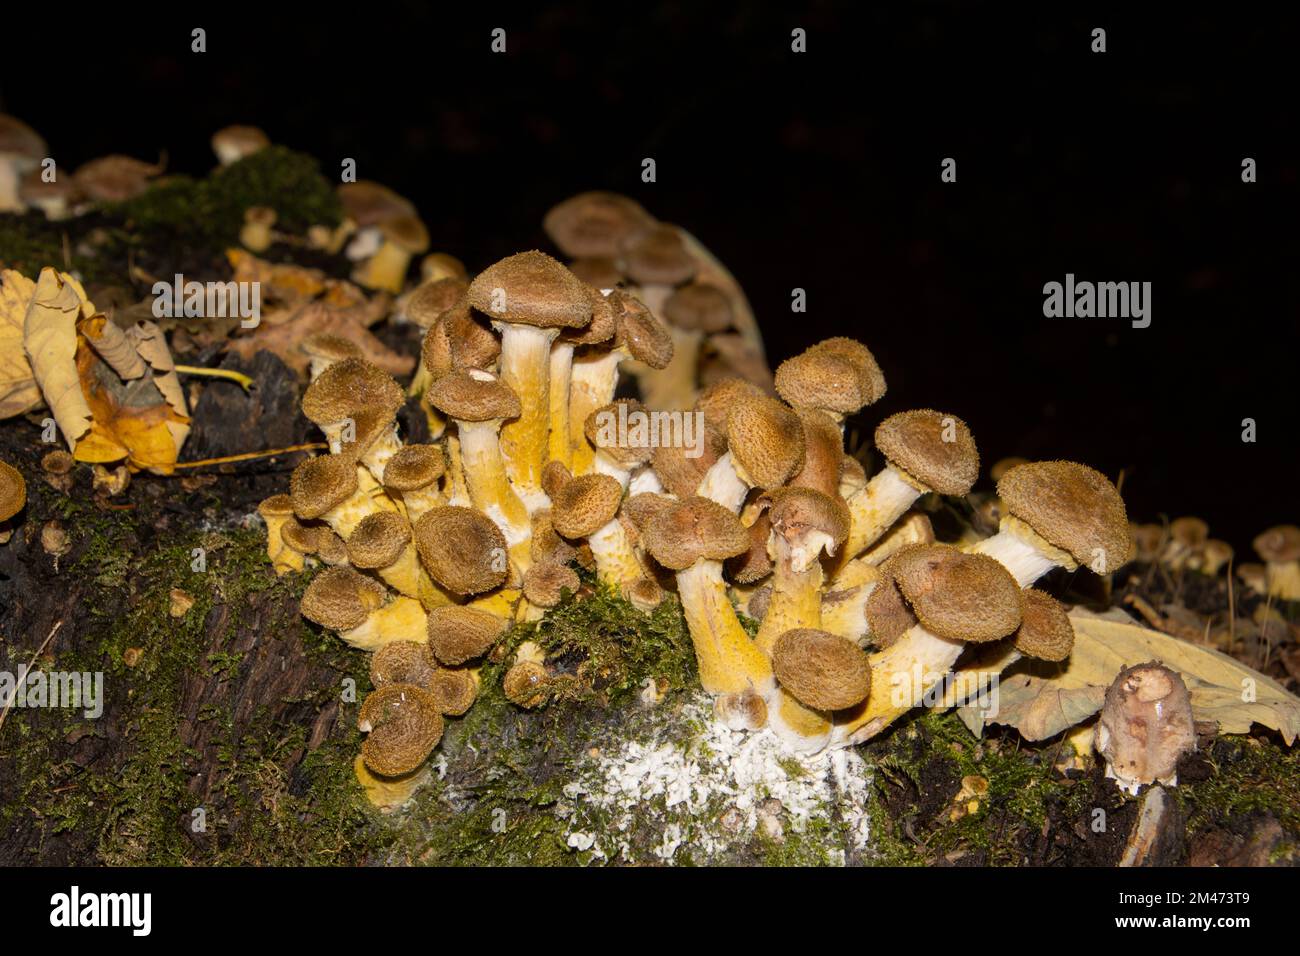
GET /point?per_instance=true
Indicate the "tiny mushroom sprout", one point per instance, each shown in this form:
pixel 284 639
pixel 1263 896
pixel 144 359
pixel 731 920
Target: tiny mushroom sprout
pixel 462 549
pixel 403 725
pixel 693 537
pixel 530 298
pixel 1145 727
pixel 233 143
pixel 1280 548
pixel 21 150
pixel 359 609
pixel 957 598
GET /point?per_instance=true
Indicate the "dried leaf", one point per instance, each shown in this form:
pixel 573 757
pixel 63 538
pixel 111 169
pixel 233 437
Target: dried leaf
pixel 18 389
pixel 316 317
pixel 50 339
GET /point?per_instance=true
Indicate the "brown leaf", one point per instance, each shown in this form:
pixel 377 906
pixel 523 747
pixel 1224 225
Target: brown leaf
pixel 18 389
pixel 314 318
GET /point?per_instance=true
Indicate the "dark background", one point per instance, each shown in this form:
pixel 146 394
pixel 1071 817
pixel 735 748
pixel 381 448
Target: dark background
pixel 819 171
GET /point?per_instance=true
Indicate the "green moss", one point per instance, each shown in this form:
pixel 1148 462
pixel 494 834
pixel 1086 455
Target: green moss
pixel 29 243
pixel 1247 776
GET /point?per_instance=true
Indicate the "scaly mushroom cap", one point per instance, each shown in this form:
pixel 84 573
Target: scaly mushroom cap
pixel 636 329
pixel 755 563
pixel 456 340
pixel 887 612
pixel 598 271
pixel 455 691
pixel 823 452
pixel 329 347
pixel 414 467
pixel 368 203
pixel 378 540
pixel 1073 507
pixel 1045 630
pixel 595 224
pixel 681 473
pixel 403 662
pixel 462 549
pixel 431 299
pixel 822 670
pixel 857 354
pixel 610 440
pixel 442 265
pixel 545 584
pixel 527 684
pixel 352 388
pixel 403 726
pixel 537 289
pixel 584 505
pixel 546 546
pixel 330 548
pixel 472 395
pixel 1146 725
pixel 821 378
pixel 935 449
pixel 694 529
pixel 1279 544
pixel 956 595
pixel 699 307
pixel 604 322
pixel 765 437
pixel 717 400
pixel 797 513
pixel 638 509
pixel 320 484
pixel 13 491
pixel 341 598
pixel 276 506
pixel 459 634
pixel 304 538
pixel 658 256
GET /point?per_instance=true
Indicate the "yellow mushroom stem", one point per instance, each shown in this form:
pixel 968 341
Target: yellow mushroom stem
pixel 416 501
pixel 616 560
pixel 845 599
pixel 377 456
pixel 402 619
pixel 729 662
pixel 874 509
pixel 407 576
pixel 490 490
pixel 673 387
pixel 457 492
pixel 913 529
pixel 593 382
pixel 499 603
pixel 526 369
pixel 283 558
pixel 386 270
pixel 559 442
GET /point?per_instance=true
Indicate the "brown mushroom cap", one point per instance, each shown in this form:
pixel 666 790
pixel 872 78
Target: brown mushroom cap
pixel 403 662
pixel 13 491
pixel 238 141
pixel 276 506
pixel 352 388
pixel 796 512
pixel 368 203
pixel 935 449
pixel 546 546
pixel 59 462
pixel 332 348
pixel 1045 630
pixel 457 340
pixel 595 224
pixel 699 307
pixel 636 329
pixel 858 355
pixel 598 271
pixel 472 395
pixel 537 289
pixel 765 438
pixel 1278 544
pixel 957 595
pixel 821 670
pixel 454 689
pixel 320 484
pixel 658 256
pixel 431 299
pixel 1189 531
pixel 406 232
pixel 545 584
pixel 604 322
pixel 680 470
pixel 341 598
pixel 462 549
pixel 378 540
pixel 459 634
pixel 584 505
pixel 1074 508
pixel 823 452
pixel 638 509
pixel 717 400
pixel 304 538
pixel 754 563
pixel 887 612
pixel 114 178
pixel 414 467
pixel 694 529
pixel 620 449
pixel 442 265
pixel 403 726
pixel 821 379
pixel 527 684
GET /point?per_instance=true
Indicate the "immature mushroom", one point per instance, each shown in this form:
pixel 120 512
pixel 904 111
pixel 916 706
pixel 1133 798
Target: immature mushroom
pixel 692 538
pixel 463 550
pixel 57 466
pixel 530 298
pixel 275 511
pixel 355 403
pixel 657 259
pixel 1279 546
pixel 1146 725
pixel 823 671
pixel 413 473
pixel 402 724
pixel 233 143
pixel 442 265
pixel 957 597
pixel 458 634
pixel 455 689
pixel 55 197
pixel 403 237
pixel 382 543
pixel 527 684
pixel 839 376
pixel 352 604
pixel 324 349
pixel 114 178
pixel 1187 536
pixel 545 585
pixel 403 662
pixel 326 488
pixel 478 402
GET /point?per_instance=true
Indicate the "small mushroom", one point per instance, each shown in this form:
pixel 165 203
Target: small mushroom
pixel 402 237
pixel 233 143
pixel 21 150
pixel 1146 725
pixel 824 671
pixel 463 550
pixel 458 634
pixel 1279 546
pixel 402 724
pixel 255 235
pixel 527 684
pixel 359 609
pixel 57 466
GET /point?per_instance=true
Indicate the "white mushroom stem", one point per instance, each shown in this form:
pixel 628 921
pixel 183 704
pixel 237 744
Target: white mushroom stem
pixel 875 508
pixel 559 442
pixel 645 481
pixel 723 484
pixel 729 662
pixel 673 387
pixel 526 369
pixel 844 601
pixel 1025 561
pixel 377 456
pixel 402 619
pixel 593 381
pixel 485 475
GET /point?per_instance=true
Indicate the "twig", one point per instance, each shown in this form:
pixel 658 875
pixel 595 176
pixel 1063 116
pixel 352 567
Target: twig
pixel 239 378
pixel 23 680
pixel 249 456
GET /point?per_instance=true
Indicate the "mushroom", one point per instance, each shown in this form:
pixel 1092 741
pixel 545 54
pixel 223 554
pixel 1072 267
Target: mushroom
pixel 545 584
pixel 13 496
pixel 478 402
pixel 324 349
pixel 327 488
pixel 463 550
pixel 1045 634
pixel 839 376
pixel 357 394
pixel 527 684
pixel 823 459
pixel 382 542
pixel 442 265
pixel 403 237
pixel 57 466
pixel 21 150
pixel 359 610
pixel 823 671
pixel 56 197
pixel 233 143
pixel 765 447
pixel 275 511
pixel 1187 536
pixel 599 331
pixel 658 260
pixel 530 298
pixel 1214 555
pixel 403 662
pixel 692 312
pixel 1279 546
pixel 402 724
pixel 413 473
pixel 595 224
pixel 1146 725
pixel 457 634
pixel 255 234
pixel 958 598
pixel 114 178
pixel 693 538
pixel 455 689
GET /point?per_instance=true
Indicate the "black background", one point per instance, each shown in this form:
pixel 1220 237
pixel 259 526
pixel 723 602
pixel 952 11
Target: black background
pixel 818 171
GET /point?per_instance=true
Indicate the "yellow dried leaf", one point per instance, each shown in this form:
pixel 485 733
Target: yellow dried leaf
pixel 50 340
pixel 19 392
